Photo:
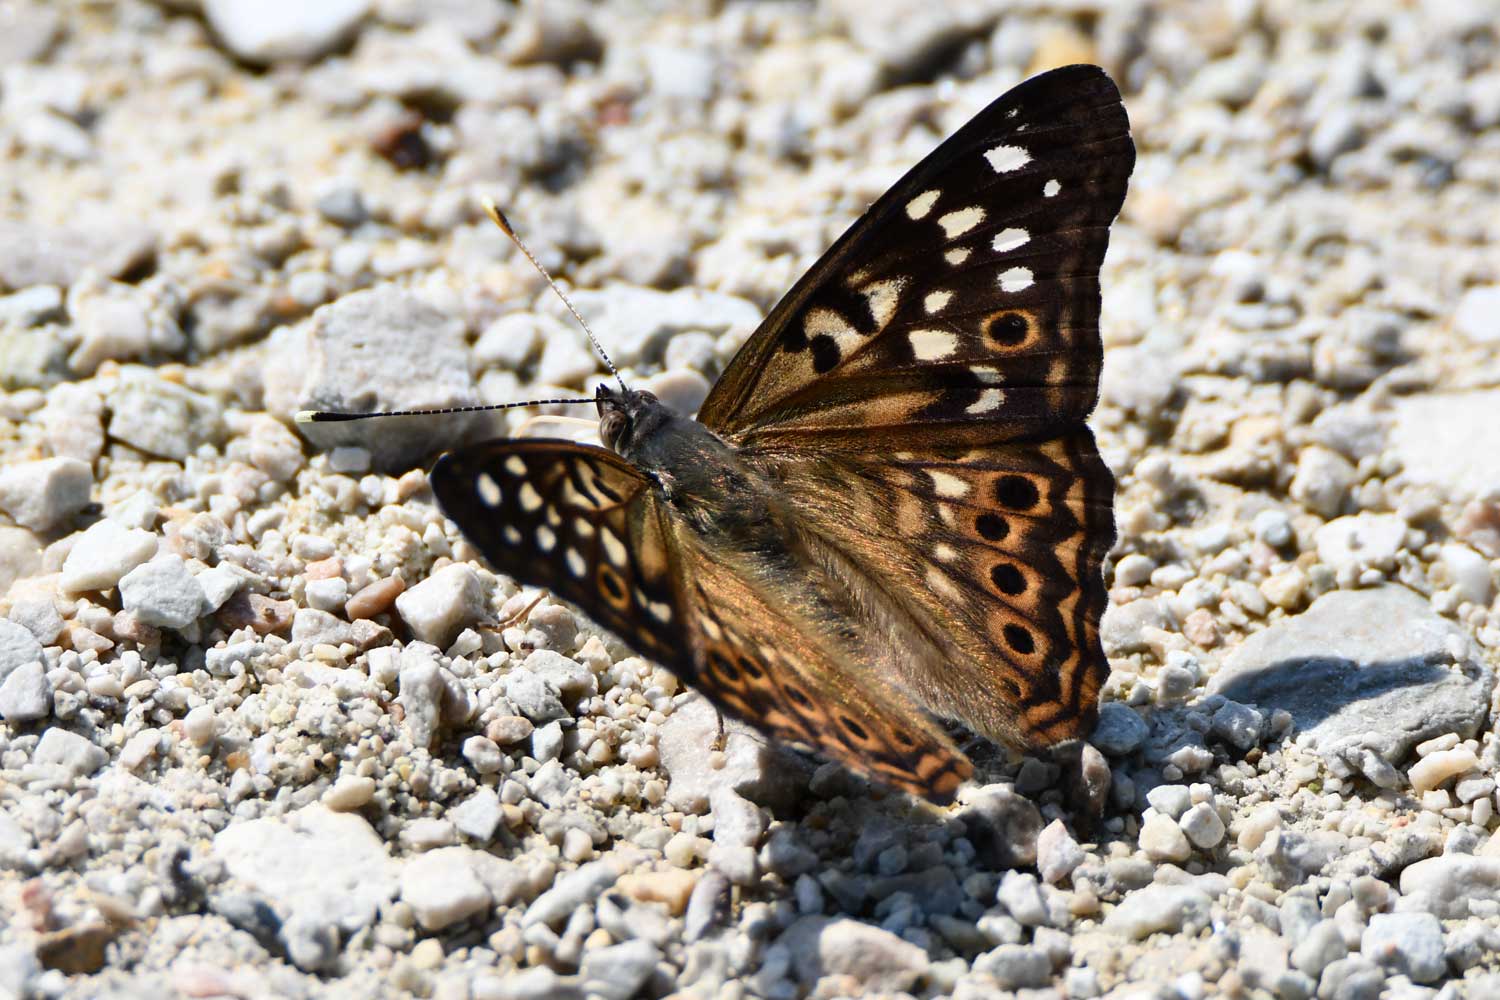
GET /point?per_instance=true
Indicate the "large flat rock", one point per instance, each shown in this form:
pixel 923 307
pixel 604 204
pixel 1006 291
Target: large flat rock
pixel 1450 439
pixel 1360 670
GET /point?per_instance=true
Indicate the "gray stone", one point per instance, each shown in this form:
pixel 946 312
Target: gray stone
pixel 448 601
pixel 330 868
pixel 74 754
pixel 1120 731
pixel 18 647
pixel 19 969
pixel 265 31
pixel 1016 966
pixel 38 615
pixel 1057 853
pixel 103 554
pixel 1170 908
pixel 533 697
pixel 1445 886
pixel 478 816
pixel 1122 629
pixel 754 767
pixel 163 593
pixel 1361 540
pixel 579 887
pixel 1003 827
pixel 1238 725
pixel 421 685
pixel 1449 439
pixel 43 494
pixel 875 959
pixel 444 886
pixel 1368 669
pixel 25 695
pixel 43 255
pixel 1318 948
pixel 1409 944
pixel 618 971
pixel 162 418
pixel 708 906
pixel 384 348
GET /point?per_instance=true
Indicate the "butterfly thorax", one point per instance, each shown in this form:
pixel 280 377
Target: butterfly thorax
pixel 698 473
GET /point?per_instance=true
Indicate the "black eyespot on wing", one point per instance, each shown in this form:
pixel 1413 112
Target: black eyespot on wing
pixel 1020 640
pixel 751 668
pixel 1007 329
pixel 1016 492
pixel 1007 579
pixel 991 527
pixel 855 729
pixel 798 696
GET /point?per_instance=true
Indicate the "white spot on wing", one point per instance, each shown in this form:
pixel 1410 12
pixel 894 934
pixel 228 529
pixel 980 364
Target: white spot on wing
pixel 511 535
pixel 576 565
pixel 546 538
pixel 1051 188
pixel 1007 158
pixel 948 485
pixel 960 222
pixel 991 375
pixel 884 297
pixel 489 490
pixel 957 256
pixel 710 628
pixel 1007 240
pixel 530 498
pixel 515 466
pixel 826 321
pixel 944 552
pixel 660 610
pixel 940 584
pixel 930 345
pixel 584 527
pixel 613 547
pixel 1015 279
pixel 936 300
pixel 989 399
pixel 919 206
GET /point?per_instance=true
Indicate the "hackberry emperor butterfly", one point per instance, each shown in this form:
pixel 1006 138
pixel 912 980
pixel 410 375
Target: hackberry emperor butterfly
pixel 890 504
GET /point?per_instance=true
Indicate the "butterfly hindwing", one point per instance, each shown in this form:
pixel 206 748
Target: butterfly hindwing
pixel 576 519
pixel 995 552
pixel 967 295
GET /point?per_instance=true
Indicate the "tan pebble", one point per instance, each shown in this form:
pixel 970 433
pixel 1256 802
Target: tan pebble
pixel 672 888
pixel 428 954
pixel 324 569
pixel 1436 768
pixel 374 598
pixel 349 792
pixel 509 729
pixel 599 938
pixel 83 639
pixel 511 815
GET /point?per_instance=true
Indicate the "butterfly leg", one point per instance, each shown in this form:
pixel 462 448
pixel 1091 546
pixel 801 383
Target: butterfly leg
pixel 519 615
pixel 721 739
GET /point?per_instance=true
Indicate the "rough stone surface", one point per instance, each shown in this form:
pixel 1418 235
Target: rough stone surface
pixel 44 494
pixel 875 959
pixel 1368 669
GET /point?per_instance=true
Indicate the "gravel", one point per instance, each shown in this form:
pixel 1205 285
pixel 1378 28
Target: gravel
pixel 269 726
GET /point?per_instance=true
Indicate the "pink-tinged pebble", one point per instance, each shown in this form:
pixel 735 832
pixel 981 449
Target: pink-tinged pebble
pixel 374 598
pixel 324 569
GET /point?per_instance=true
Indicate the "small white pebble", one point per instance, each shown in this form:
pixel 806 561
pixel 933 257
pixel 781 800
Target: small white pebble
pixel 1436 768
pixel 201 726
pixel 349 792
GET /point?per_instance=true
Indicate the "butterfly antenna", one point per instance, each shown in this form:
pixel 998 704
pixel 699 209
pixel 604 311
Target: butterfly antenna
pixel 334 417
pixel 499 219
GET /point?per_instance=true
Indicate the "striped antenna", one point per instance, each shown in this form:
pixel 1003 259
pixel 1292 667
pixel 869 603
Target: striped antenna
pixel 332 417
pixel 499 219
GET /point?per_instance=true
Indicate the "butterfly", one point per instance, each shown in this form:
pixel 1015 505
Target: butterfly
pixel 889 509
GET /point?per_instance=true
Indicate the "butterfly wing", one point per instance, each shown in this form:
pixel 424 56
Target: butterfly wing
pixel 965 302
pixel 587 525
pixel 920 398
pixel 994 555
pixel 575 519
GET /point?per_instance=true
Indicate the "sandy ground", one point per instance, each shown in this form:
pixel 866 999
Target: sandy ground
pixel 258 737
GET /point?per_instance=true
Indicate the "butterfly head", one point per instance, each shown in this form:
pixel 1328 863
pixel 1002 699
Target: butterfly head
pixel 627 417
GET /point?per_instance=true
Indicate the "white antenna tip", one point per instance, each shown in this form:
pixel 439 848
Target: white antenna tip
pixel 306 417
pixel 496 216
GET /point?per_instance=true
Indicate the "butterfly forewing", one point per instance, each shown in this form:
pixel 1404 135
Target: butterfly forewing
pixel 575 519
pixel 967 295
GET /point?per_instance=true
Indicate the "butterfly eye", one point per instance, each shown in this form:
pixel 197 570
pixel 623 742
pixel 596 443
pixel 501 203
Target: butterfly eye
pixel 612 428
